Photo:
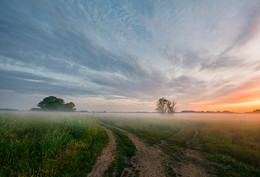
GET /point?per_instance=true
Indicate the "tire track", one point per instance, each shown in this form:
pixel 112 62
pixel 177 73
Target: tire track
pixel 147 161
pixel 106 157
pixel 196 133
pixel 190 160
pixel 151 161
pixel 164 142
pixel 179 132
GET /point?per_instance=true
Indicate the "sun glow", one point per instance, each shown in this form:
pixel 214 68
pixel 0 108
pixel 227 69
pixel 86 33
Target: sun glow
pixel 247 98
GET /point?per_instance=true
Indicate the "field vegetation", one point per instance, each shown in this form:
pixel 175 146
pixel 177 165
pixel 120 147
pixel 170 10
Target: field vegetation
pixel 49 144
pixel 150 130
pixel 68 144
pixel 235 143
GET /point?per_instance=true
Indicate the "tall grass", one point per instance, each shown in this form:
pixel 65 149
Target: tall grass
pixel 231 140
pixel 236 140
pixel 48 144
pixel 150 130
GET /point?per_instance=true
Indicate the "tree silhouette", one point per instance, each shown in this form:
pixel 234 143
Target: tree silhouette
pixel 165 106
pixel 53 103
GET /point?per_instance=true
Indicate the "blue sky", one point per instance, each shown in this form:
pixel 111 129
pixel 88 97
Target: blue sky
pixel 124 55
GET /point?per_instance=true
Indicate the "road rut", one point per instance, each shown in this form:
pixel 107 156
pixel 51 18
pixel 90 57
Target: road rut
pixel 147 161
pixel 106 157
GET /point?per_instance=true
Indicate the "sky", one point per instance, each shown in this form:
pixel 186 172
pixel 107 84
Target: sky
pixel 114 55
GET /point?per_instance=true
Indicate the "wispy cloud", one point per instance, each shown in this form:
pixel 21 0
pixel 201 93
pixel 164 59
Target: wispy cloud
pixel 193 52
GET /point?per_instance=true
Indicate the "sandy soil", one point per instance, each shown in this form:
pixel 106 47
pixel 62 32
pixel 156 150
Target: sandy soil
pixel 151 161
pixel 147 161
pixel 106 157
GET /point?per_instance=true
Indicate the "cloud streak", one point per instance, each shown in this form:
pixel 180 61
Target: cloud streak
pixel 133 50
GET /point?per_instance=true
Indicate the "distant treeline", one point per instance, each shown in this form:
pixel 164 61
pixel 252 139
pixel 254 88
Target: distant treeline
pixel 7 109
pixel 191 111
pixel 255 111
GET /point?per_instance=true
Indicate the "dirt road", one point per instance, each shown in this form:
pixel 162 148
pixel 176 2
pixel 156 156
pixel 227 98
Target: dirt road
pixel 106 157
pixel 191 161
pixel 152 161
pixel 148 161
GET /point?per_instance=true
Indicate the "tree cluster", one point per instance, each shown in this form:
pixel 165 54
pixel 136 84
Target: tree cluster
pixel 165 106
pixel 53 103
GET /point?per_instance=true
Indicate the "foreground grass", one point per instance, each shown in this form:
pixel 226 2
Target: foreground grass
pixel 229 142
pixel 236 144
pixel 68 144
pixel 48 144
pixel 152 131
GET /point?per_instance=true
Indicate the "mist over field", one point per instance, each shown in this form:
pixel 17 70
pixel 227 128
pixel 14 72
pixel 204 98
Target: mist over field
pixel 192 116
pixel 143 88
pixel 124 55
pixel 180 144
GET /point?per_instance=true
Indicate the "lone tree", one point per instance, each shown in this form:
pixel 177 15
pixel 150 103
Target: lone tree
pixel 165 106
pixel 53 103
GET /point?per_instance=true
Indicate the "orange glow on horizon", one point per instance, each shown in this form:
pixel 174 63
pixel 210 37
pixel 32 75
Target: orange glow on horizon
pixel 245 99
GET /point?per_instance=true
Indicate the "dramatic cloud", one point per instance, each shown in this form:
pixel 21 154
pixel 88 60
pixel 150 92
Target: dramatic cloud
pixel 124 55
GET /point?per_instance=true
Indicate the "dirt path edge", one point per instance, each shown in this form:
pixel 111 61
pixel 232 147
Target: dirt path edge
pixel 106 157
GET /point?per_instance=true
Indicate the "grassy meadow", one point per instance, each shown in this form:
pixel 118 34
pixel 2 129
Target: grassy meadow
pixel 231 140
pixel 68 144
pixel 152 130
pixel 49 144
pixel 235 143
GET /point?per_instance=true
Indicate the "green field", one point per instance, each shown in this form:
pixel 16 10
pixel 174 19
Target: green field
pixel 49 144
pixel 152 131
pixel 68 144
pixel 233 141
